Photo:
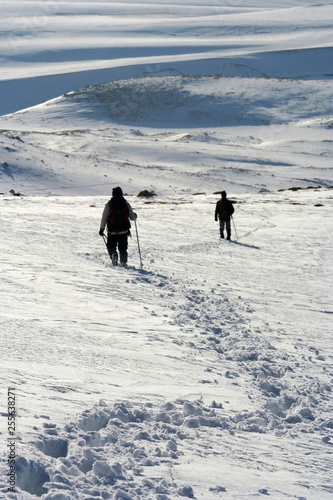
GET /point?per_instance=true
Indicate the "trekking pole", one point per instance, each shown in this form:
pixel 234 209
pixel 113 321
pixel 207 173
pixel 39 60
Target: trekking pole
pixel 234 227
pixel 137 239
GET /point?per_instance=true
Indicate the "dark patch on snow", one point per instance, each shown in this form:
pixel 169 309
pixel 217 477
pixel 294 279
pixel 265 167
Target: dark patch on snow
pixel 146 194
pixel 53 447
pixel 31 476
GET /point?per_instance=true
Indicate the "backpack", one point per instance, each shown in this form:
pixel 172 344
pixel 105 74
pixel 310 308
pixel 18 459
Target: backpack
pixel 119 215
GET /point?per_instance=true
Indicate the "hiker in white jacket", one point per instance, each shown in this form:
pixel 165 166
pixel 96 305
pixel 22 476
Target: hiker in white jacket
pixel 116 216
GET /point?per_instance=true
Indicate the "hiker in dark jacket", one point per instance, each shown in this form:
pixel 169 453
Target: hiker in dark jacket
pixel 224 210
pixel 116 216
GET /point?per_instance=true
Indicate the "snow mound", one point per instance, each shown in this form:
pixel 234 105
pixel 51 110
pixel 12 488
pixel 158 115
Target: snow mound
pixel 202 101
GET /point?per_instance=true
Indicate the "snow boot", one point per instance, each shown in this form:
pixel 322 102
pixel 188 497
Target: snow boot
pixel 123 258
pixel 114 259
pixel 221 234
pixel 228 235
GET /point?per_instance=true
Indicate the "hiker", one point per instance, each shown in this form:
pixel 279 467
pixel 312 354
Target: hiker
pixel 116 216
pixel 224 210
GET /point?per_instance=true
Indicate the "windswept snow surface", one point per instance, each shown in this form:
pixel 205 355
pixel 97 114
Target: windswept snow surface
pixel 206 373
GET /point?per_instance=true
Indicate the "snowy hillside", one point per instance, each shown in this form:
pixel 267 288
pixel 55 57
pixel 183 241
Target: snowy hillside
pixel 206 373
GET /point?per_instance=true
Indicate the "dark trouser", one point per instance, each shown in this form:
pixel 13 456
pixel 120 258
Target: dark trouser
pixel 118 241
pixel 226 223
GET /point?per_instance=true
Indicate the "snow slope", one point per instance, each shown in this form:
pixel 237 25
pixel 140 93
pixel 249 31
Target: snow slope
pixel 272 136
pixel 50 48
pixel 208 372
pixel 210 368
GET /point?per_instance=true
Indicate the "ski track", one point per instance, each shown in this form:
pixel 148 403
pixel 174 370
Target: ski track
pixel 133 448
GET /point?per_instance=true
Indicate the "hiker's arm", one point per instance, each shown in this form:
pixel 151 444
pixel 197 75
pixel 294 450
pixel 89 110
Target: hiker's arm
pixel 131 214
pixel 105 216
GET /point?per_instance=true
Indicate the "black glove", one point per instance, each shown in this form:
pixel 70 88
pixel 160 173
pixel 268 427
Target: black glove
pixel 101 232
pixel 216 219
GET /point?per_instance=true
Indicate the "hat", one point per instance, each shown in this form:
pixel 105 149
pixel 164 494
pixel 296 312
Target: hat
pixel 224 194
pixel 117 192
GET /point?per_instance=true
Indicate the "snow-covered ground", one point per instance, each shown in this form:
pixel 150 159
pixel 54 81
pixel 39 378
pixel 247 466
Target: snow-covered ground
pixel 206 373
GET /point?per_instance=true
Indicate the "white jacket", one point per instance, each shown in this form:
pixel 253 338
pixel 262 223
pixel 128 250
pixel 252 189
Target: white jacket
pixel 106 214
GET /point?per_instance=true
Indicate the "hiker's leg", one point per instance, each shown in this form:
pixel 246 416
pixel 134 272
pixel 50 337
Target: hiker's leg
pixel 222 227
pixel 228 226
pixel 112 247
pixel 122 246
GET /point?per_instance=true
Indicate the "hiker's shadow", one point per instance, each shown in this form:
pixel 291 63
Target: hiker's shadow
pixel 246 245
